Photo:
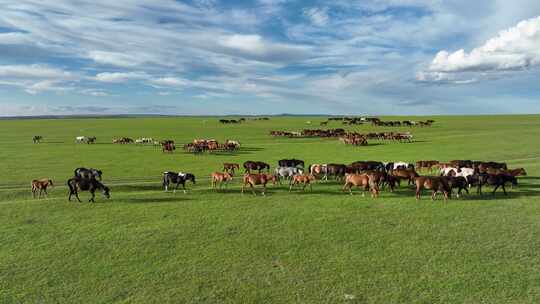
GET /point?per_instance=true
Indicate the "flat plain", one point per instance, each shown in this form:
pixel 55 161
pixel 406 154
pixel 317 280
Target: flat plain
pixel 325 246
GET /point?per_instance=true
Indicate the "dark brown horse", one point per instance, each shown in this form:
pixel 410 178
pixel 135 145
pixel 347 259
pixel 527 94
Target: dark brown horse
pixel 435 183
pixel 256 165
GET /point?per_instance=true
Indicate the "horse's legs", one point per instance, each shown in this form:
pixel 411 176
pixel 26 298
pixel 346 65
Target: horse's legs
pixel 93 192
pixel 418 192
pixel 252 189
pixel 264 189
pixel 77 196
pixel 504 189
pixel 184 187
pixel 45 191
pixel 433 194
pixel 495 189
pixel 311 187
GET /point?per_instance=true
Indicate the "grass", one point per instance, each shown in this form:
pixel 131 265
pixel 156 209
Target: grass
pixel 146 246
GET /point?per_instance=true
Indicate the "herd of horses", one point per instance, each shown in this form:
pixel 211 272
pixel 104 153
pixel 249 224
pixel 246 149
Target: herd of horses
pixel 369 176
pixel 375 121
pixel 346 137
pixel 211 145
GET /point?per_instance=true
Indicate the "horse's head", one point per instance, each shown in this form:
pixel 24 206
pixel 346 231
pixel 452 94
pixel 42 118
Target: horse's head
pixel 522 171
pixel 51 183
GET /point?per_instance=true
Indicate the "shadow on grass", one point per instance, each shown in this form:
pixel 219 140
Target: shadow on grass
pixel 150 200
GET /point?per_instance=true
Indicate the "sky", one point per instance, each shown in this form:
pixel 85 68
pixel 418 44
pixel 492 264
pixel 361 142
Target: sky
pixel 212 57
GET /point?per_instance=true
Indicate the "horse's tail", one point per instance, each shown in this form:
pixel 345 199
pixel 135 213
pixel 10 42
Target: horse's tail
pixel 70 186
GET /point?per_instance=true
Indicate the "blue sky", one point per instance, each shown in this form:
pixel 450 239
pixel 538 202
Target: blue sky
pixel 269 57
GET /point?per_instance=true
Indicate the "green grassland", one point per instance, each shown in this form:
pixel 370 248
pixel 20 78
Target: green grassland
pixel 325 246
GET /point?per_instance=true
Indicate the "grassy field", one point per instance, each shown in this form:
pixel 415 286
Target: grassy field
pixel 147 246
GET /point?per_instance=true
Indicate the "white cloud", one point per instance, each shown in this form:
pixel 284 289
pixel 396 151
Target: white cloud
pixel 33 71
pixel 515 48
pixel 117 77
pixel 258 48
pixel 170 82
pixel 317 16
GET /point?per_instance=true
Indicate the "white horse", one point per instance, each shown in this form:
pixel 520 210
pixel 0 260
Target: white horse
pixel 465 172
pixel 288 172
pixel 80 139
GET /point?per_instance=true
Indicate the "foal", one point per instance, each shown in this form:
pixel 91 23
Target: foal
pixel 41 185
pixel 302 179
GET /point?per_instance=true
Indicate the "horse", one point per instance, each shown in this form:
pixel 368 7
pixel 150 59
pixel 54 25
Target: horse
pixel 291 163
pixel 459 182
pixel 287 172
pixel 498 180
pixel 336 170
pixel 317 169
pixel 362 166
pixel 435 183
pixel 382 178
pixel 88 173
pixel 220 178
pixel 177 178
pixel 168 147
pixel 364 181
pixel 461 163
pixel 256 165
pixel 483 166
pixel 513 172
pixel 258 179
pixel 76 184
pixel 230 167
pixel 302 179
pixel 402 165
pixel 85 139
pixel 37 139
pixel 41 185
pixel 406 174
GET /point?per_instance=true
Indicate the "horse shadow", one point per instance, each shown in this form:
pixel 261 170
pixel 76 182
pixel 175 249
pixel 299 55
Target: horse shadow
pixel 148 187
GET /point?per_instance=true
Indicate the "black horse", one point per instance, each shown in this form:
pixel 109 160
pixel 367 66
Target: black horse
pixel 37 139
pixel 362 166
pixel 291 163
pixel 77 184
pixel 256 165
pixel 88 173
pixel 177 178
pixel 498 180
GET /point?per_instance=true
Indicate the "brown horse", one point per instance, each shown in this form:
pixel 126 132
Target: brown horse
pixel 513 172
pixel 258 179
pixel 364 181
pixel 435 183
pixel 230 167
pixel 306 179
pixel 404 174
pixel 168 147
pixel 220 178
pixel 41 185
